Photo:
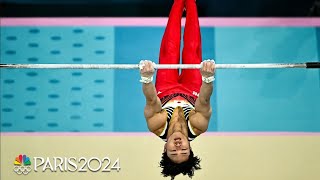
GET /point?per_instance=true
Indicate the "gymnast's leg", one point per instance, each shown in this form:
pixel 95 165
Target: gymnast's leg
pixel 192 51
pixel 170 47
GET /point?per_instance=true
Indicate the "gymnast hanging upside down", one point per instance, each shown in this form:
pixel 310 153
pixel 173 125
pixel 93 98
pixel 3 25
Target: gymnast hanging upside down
pixel 178 106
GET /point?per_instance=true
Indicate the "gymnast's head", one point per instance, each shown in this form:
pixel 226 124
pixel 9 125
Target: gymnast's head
pixel 178 156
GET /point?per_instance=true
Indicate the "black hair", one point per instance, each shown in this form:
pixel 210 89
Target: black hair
pixel 172 169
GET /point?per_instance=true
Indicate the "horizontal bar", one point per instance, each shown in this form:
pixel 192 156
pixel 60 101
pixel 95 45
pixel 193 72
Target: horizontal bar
pixel 313 64
pixel 141 134
pixel 157 66
pixel 119 21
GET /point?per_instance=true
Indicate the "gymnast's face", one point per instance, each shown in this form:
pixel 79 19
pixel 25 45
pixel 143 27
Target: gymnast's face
pixel 178 147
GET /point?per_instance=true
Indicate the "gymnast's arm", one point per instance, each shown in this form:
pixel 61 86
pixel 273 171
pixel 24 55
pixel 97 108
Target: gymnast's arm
pixel 199 118
pixel 155 117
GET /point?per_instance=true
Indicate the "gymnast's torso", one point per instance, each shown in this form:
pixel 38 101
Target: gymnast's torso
pixel 169 106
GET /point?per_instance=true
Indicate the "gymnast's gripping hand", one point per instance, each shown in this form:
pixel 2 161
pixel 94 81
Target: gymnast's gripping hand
pixel 146 71
pixel 207 71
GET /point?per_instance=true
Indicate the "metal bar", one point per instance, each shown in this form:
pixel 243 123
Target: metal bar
pixel 157 66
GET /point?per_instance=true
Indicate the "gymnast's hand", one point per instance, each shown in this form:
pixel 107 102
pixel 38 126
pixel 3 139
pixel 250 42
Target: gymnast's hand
pixel 146 68
pixel 207 68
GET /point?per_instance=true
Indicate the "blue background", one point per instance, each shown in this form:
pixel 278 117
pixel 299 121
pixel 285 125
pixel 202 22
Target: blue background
pixel 112 101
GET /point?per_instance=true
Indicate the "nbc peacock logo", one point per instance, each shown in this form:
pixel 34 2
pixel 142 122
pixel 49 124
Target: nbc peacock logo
pixel 22 165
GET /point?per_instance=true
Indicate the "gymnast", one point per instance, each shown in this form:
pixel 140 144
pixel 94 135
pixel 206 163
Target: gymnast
pixel 178 105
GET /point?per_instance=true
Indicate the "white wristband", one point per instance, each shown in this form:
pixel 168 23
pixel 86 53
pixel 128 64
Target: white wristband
pixel 208 79
pixel 146 80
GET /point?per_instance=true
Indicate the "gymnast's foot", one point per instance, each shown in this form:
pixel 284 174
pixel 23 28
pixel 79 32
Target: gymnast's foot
pixel 185 1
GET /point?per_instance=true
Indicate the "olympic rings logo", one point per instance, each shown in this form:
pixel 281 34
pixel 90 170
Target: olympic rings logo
pixel 22 169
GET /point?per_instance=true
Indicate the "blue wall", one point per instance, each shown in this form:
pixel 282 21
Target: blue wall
pixel 108 100
pixel 267 100
pixel 55 100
